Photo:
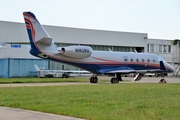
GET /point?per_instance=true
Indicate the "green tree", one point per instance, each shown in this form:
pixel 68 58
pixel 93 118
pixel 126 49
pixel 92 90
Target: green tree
pixel 176 41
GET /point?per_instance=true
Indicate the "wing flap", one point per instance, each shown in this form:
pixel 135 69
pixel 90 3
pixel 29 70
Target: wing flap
pixel 122 69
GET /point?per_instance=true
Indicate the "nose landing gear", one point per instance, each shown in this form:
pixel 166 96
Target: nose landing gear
pixel 162 80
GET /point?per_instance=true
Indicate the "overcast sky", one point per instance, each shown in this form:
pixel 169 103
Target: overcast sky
pixel 159 18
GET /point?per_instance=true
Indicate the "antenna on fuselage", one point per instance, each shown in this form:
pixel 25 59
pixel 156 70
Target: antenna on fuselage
pixel 135 51
pixel 110 50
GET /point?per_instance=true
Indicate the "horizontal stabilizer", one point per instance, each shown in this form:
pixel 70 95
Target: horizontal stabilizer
pixel 45 41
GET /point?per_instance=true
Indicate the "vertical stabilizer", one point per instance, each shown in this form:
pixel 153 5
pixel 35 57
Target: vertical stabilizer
pixel 37 32
pixel 41 43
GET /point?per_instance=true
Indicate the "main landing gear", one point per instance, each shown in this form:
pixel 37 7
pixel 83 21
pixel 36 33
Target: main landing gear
pixel 93 79
pixel 162 80
pixel 116 79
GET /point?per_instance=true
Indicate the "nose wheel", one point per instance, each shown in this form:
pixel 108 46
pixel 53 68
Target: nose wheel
pixel 162 80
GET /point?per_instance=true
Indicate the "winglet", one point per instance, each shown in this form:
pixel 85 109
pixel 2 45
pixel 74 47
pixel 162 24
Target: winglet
pixel 45 41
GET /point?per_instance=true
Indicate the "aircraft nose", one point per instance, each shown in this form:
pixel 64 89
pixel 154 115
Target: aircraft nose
pixel 172 68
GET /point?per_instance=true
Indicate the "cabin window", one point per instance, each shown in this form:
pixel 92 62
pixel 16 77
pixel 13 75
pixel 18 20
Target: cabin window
pixel 125 58
pixel 154 60
pixel 148 60
pixel 131 60
pixel 142 60
pixel 137 60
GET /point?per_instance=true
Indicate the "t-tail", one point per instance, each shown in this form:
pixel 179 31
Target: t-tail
pixel 39 39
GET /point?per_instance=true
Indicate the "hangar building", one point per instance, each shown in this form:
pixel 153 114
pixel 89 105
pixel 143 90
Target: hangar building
pixel 15 34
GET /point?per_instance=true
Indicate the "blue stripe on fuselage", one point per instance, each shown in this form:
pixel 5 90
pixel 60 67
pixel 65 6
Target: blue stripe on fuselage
pixel 34 51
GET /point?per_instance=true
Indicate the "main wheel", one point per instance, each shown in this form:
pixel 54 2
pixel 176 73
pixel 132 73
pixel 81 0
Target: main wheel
pixel 93 80
pixel 114 80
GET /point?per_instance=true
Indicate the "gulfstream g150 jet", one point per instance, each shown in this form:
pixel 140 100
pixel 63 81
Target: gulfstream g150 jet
pixel 96 62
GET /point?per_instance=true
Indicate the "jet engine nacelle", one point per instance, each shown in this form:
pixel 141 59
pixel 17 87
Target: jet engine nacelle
pixel 76 51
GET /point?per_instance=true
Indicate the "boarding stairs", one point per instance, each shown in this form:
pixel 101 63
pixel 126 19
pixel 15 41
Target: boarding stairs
pixel 176 66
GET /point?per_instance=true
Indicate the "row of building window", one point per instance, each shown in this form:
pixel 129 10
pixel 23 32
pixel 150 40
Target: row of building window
pixel 162 48
pixel 150 48
pixel 103 48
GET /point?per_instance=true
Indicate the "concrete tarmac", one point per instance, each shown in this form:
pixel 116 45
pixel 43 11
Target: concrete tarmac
pixel 7 113
pixel 154 79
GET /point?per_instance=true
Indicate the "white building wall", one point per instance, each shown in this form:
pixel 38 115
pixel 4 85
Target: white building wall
pixel 13 32
pixel 96 37
pixel 6 51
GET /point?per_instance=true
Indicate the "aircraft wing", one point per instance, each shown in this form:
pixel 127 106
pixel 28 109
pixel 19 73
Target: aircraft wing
pixel 77 71
pixel 127 70
pixel 122 69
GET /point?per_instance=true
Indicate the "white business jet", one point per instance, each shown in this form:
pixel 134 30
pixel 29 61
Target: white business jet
pixel 96 62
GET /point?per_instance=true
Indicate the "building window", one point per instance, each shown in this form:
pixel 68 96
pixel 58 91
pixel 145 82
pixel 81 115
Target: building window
pixel 150 47
pixel 164 49
pixel 160 48
pixel 169 48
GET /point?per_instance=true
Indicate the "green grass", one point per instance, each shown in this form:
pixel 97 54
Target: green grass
pixel 41 80
pixel 99 101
